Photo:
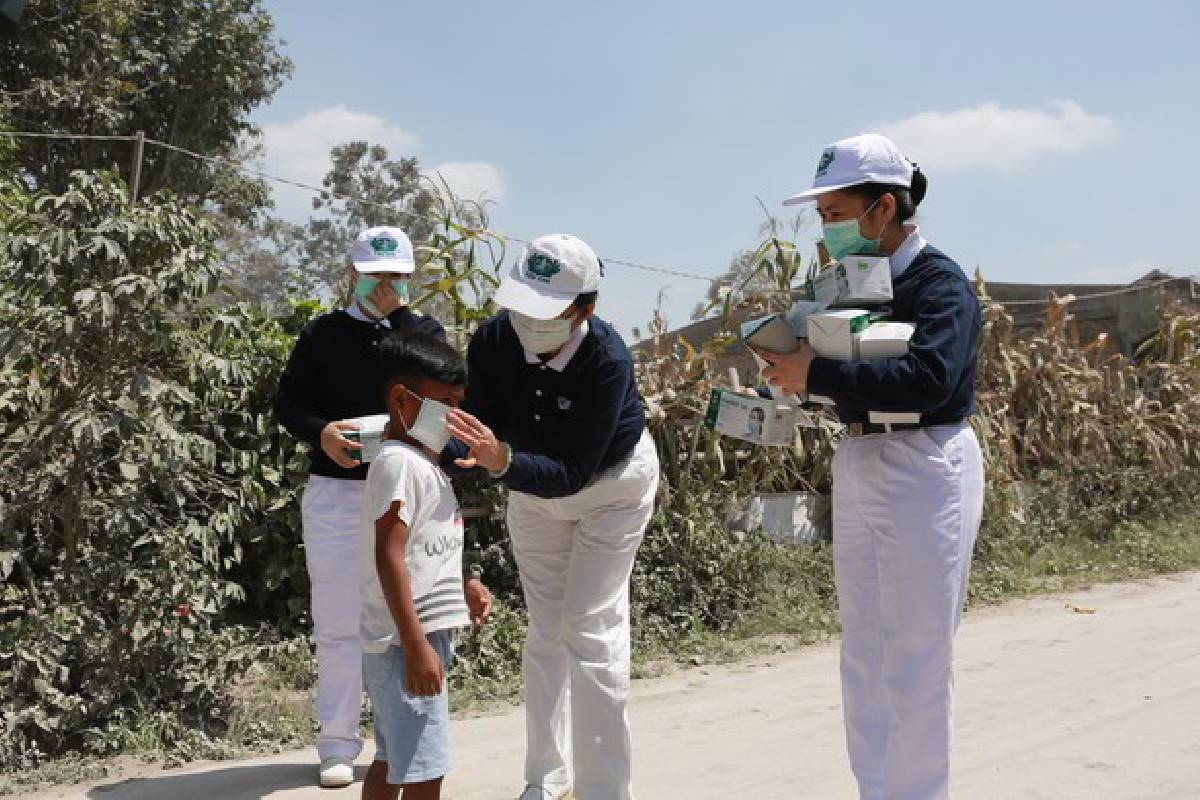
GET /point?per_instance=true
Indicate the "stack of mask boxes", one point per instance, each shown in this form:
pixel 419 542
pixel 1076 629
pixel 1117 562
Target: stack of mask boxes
pixel 850 331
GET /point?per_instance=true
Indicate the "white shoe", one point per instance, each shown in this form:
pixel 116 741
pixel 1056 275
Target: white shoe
pixel 336 773
pixel 543 793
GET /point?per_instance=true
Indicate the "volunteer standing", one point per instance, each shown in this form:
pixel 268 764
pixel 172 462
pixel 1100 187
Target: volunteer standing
pixel 555 414
pixel 907 498
pixel 330 377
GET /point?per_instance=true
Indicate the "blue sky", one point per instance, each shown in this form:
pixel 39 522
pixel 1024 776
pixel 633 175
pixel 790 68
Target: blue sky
pixel 1060 138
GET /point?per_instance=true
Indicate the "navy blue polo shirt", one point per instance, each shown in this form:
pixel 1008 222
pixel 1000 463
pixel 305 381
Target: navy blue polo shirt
pixel 333 374
pixel 563 427
pixel 937 376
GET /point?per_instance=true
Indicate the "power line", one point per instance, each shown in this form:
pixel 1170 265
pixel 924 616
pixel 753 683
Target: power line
pixel 239 166
pixel 1140 287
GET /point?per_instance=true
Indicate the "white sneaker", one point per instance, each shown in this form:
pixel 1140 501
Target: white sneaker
pixel 543 793
pixel 336 773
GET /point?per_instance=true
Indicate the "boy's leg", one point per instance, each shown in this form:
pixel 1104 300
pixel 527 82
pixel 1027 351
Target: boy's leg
pixel 542 548
pixel 376 787
pixel 614 513
pixel 330 511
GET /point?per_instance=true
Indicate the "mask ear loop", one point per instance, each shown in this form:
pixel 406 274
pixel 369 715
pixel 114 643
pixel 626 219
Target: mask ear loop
pixel 414 394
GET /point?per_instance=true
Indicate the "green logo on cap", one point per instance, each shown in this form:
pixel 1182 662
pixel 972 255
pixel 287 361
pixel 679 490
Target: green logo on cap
pixel 826 160
pixel 541 267
pixel 384 246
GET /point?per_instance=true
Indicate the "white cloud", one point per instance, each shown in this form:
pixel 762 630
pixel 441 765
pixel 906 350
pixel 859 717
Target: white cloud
pixel 471 180
pixel 299 150
pixel 993 138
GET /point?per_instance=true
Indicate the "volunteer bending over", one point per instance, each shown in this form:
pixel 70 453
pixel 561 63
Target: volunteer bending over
pixel 907 498
pixel 330 377
pixel 555 414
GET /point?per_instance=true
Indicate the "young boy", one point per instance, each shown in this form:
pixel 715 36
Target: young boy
pixel 414 596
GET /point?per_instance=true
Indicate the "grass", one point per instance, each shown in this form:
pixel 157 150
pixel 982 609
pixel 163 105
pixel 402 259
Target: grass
pixel 272 705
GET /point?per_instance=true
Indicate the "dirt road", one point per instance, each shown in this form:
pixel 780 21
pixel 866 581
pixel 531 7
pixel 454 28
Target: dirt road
pixel 1053 703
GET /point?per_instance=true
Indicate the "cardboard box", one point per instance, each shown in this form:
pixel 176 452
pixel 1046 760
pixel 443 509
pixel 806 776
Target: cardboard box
pixel 884 340
pixel 369 435
pixel 832 333
pixel 751 419
pixel 864 281
pixel 797 316
pixel 771 334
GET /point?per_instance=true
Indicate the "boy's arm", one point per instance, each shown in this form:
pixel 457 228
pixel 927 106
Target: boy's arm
pixel 423 668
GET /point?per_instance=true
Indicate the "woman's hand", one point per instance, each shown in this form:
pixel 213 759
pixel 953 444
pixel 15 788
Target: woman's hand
pixel 479 601
pixel 485 449
pixel 788 371
pixel 385 298
pixel 336 446
pixel 423 669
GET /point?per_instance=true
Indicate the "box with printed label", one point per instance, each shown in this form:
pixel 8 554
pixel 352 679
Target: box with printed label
pixel 832 333
pixel 884 340
pixel 369 436
pixel 751 419
pixel 854 281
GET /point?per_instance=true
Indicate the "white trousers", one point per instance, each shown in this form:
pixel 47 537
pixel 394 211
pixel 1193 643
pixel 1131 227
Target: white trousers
pixel 575 555
pixel 330 513
pixel 906 511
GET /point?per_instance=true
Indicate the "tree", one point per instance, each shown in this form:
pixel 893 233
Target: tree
pixel 137 443
pixel 366 188
pixel 187 73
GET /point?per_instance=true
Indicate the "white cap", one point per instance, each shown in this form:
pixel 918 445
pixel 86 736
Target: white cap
pixel 549 275
pixel 866 158
pixel 382 249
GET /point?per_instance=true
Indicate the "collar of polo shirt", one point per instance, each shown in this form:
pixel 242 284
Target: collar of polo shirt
pixel 564 356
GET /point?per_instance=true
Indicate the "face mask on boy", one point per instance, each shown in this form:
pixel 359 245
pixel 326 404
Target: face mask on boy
pixel 429 428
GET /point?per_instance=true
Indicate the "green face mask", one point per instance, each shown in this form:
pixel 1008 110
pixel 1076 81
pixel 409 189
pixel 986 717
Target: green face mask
pixel 366 284
pixel 845 238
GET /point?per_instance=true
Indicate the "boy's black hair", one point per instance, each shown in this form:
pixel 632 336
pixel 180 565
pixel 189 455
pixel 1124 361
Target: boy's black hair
pixel 403 357
pixel 585 299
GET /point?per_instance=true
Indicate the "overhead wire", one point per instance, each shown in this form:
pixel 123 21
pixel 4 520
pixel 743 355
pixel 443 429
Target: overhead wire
pixel 326 192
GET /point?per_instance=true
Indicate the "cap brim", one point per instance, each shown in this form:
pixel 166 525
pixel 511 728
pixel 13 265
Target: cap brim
pixel 375 267
pixel 519 296
pixel 813 193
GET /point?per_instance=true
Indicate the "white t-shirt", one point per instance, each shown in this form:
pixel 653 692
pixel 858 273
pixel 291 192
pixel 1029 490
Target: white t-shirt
pixel 433 551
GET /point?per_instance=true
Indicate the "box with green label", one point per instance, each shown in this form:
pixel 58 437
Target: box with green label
pixel 752 419
pixel 369 436
pixel 864 281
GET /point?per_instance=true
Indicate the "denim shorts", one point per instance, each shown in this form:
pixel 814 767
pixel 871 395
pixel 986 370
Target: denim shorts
pixel 412 734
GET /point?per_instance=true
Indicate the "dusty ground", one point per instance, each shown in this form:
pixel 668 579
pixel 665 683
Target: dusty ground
pixel 1053 703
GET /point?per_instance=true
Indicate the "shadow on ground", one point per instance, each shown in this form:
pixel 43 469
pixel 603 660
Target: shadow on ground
pixel 227 783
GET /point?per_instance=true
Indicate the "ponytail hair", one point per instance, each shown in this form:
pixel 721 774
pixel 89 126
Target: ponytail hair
pixel 907 197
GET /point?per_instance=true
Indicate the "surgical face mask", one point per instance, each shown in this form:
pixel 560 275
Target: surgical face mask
pixel 540 335
pixel 845 238
pixel 429 428
pixel 366 285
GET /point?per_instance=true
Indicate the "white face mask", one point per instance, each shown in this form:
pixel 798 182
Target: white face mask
pixel 540 335
pixel 429 428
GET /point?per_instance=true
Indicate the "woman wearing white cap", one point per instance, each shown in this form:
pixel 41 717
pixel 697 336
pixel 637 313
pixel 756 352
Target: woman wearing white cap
pixel 552 410
pixel 907 499
pixel 330 377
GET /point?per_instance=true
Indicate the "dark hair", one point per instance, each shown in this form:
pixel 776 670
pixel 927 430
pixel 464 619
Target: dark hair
pixel 907 199
pixel 585 299
pixel 403 357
